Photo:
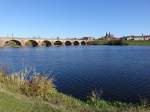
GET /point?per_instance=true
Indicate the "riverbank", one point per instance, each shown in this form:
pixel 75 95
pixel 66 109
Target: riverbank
pixel 138 42
pixel 40 95
pixel 121 42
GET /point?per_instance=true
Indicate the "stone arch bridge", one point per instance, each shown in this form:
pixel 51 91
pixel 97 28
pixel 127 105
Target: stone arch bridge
pixel 35 42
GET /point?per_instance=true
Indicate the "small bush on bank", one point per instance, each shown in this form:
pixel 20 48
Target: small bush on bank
pixel 91 43
pixel 38 86
pixel 97 102
pixel 115 42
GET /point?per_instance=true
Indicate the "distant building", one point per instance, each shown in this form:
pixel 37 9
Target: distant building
pixel 108 36
pixel 142 37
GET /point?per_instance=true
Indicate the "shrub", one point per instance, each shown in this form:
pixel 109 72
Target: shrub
pixel 1 76
pixel 38 86
pixel 91 43
pixel 115 42
pixel 96 101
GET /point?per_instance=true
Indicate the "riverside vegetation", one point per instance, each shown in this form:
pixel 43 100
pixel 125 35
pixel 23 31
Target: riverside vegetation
pixel 21 93
pixel 120 42
pixel 108 42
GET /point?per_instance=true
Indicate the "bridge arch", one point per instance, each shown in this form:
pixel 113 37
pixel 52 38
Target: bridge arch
pixel 68 43
pixel 58 43
pixel 46 43
pixel 83 43
pixel 13 43
pixel 76 43
pixel 31 43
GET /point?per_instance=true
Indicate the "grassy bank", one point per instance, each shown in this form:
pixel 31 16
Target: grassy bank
pixel 140 42
pixel 121 42
pixel 38 94
pixel 107 42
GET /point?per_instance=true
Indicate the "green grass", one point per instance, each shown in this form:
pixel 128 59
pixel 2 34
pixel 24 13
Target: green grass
pixel 124 42
pixel 13 103
pixel 101 42
pixel 141 43
pixel 109 42
pixel 40 95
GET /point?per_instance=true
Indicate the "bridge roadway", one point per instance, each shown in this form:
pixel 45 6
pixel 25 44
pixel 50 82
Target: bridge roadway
pixel 39 42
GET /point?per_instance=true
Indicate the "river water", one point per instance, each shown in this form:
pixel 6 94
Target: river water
pixel 115 72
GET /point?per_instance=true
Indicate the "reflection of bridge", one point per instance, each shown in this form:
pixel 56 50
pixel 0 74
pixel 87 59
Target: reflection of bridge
pixel 35 42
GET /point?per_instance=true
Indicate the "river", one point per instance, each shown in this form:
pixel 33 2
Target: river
pixel 115 72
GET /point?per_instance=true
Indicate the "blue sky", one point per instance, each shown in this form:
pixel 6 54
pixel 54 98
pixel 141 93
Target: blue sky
pixel 74 18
